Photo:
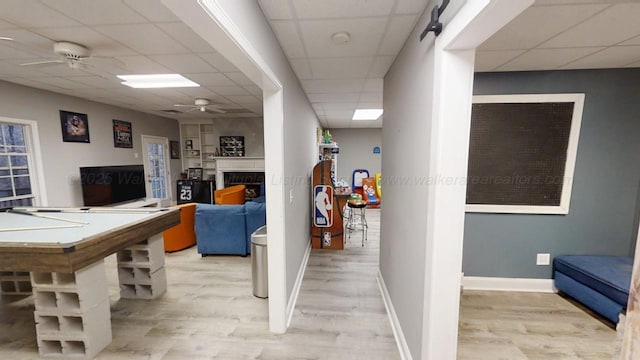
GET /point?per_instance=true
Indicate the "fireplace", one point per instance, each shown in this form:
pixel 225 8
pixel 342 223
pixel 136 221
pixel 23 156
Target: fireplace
pixel 251 180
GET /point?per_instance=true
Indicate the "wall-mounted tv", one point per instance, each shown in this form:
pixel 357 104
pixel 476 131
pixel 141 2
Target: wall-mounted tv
pixel 106 185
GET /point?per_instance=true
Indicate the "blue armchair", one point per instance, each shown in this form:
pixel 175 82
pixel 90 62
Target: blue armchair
pixel 227 229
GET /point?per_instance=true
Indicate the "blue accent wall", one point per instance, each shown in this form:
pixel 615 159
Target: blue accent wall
pixel 603 215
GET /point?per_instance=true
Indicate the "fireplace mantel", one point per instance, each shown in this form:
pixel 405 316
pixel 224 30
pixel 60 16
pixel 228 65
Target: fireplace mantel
pixel 236 164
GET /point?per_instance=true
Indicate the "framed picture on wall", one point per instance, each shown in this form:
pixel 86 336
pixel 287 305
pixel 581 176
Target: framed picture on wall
pixel 75 127
pixel 122 134
pixel 194 174
pixel 174 148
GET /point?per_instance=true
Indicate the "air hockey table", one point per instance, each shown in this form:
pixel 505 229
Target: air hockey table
pixel 58 254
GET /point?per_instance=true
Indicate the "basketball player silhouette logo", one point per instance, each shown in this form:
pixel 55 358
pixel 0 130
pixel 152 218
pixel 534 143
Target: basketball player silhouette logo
pixel 323 200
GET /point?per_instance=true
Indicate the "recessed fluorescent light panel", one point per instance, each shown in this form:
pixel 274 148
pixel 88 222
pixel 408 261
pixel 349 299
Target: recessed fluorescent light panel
pixel 367 114
pixel 156 81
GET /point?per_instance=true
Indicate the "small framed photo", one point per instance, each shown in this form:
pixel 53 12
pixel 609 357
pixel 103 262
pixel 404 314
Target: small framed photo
pixel 174 148
pixel 75 127
pixel 194 174
pixel 188 144
pixel 122 134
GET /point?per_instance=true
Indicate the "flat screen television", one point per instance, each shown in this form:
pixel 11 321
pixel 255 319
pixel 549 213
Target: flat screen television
pixel 106 185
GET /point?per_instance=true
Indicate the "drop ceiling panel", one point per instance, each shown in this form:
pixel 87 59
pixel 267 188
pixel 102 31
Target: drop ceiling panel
pixel 538 59
pixel 336 105
pixel 97 81
pixel 228 90
pixel 490 60
pixel 239 78
pixel 61 82
pixel 199 92
pixel 254 90
pixel 28 41
pixel 613 25
pixel 143 38
pixel 219 62
pixel 371 97
pixel 366 35
pixel 209 79
pixel 334 98
pixel 277 9
pixel 289 38
pixel 410 6
pixel 372 85
pixel 633 41
pixel 339 114
pixel 182 63
pixel 8 69
pixel 244 99
pixel 97 12
pixel 337 86
pixel 618 56
pixel 340 68
pixel 306 9
pixel 396 34
pixel 32 13
pixel 9 52
pixel 369 105
pixel 141 65
pixel 302 68
pixel 186 37
pixel 518 33
pixel 6 25
pixel 152 10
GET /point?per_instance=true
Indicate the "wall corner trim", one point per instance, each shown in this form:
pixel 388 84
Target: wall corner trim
pixel 401 341
pixel 291 305
pixel 508 284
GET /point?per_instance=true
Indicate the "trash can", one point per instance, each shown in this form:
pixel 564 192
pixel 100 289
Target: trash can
pixel 259 272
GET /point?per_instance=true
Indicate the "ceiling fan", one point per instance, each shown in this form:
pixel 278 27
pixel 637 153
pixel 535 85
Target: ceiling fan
pixel 204 105
pixel 74 55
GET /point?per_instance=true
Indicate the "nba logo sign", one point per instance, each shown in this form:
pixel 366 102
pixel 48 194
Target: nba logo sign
pixel 323 206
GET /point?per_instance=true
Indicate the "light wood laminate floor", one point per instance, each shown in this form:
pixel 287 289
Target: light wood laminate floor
pixel 209 312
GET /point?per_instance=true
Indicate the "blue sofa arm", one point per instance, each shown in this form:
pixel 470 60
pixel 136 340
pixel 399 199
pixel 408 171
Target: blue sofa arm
pixel 256 216
pixel 221 229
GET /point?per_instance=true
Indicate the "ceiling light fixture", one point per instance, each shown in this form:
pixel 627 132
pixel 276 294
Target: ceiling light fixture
pixel 367 114
pixel 341 38
pixel 156 81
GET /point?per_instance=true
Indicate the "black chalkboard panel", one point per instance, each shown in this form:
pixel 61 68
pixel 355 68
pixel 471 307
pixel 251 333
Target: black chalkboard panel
pixel 518 152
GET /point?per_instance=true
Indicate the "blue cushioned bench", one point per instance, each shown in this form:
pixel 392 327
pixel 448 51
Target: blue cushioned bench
pixel 599 282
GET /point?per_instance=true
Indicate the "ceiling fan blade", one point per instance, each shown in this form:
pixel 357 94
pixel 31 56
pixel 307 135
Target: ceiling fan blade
pixel 215 110
pixel 184 105
pixel 44 62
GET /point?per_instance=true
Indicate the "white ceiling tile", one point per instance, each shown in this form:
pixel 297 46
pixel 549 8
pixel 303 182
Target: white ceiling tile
pixel 32 13
pixel 62 70
pixel 28 41
pixel 338 106
pixel 302 68
pixel 306 9
pixel 244 99
pixel 219 62
pixel 371 96
pixel 339 114
pixel 333 98
pixel 183 63
pixel 13 70
pixel 411 6
pixel 186 37
pixel 61 82
pixel 289 38
pixel 276 9
pixel 372 85
pixel 613 25
pixel 199 92
pixel 209 79
pixel 634 65
pixel 228 90
pixel 546 59
pixel 520 33
pixel 98 44
pixel 239 78
pixel 152 10
pixel 6 25
pixel 396 34
pixel 337 86
pixel 490 60
pixel 617 56
pixel 254 90
pixel 340 68
pixel 380 66
pixel 97 81
pixel 369 105
pixel 141 65
pixel 96 12
pixel 144 38
pixel 366 35
pixel 9 52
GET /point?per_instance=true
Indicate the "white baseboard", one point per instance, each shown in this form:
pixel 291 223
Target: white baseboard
pixel 291 305
pixel 508 284
pixel 401 341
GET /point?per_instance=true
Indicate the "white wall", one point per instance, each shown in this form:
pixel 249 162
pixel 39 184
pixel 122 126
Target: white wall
pixel 61 161
pixel 356 151
pixel 300 123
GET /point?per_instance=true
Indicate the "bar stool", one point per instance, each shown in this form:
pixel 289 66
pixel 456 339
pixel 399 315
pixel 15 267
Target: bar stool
pixel 357 220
